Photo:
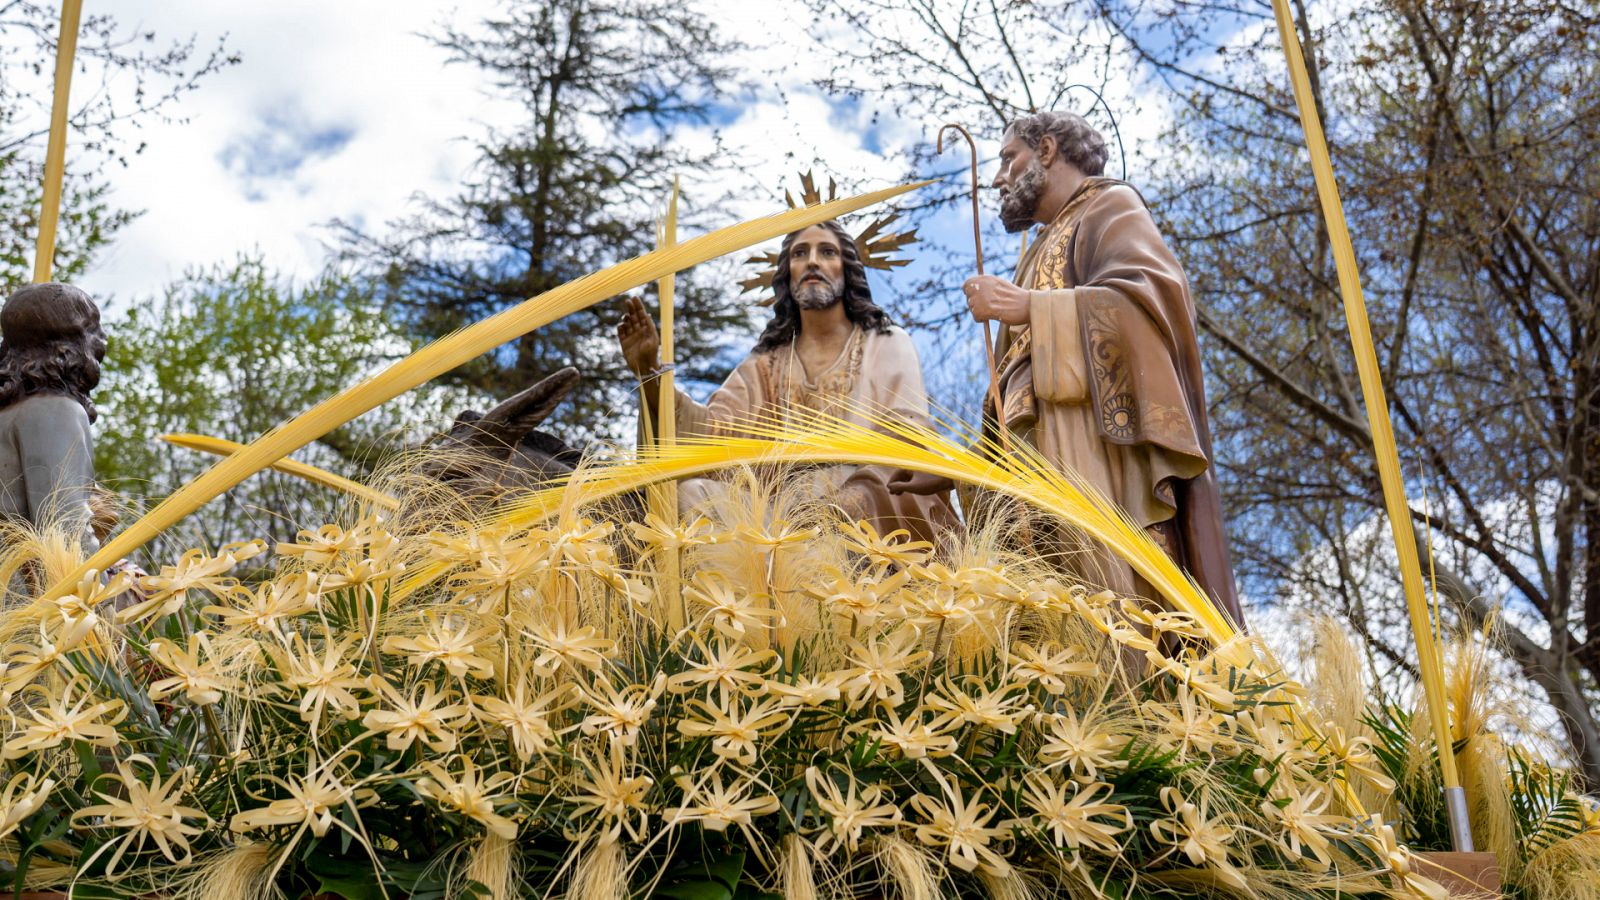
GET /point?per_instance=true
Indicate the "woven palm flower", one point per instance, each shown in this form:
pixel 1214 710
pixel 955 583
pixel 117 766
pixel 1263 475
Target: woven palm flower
pixel 143 811
pixel 1203 680
pixel 807 690
pixel 1161 621
pixel 492 566
pixel 947 609
pixel 912 737
pixel 313 799
pixel 1084 745
pixel 1076 816
pixel 1306 826
pixel 23 795
pixel 325 680
pixel 728 667
pixel 878 665
pixel 1275 740
pixel 71 715
pixel 968 703
pixel 862 598
pixel 1188 724
pixel 661 536
pixel 780 535
pixel 977 582
pixel 422 715
pixel 377 564
pixel 716 803
pixel 735 728
pixel 620 712
pixel 1050 665
pixel 1380 838
pixel 469 794
pixel 452 641
pixel 1051 596
pixel 202 683
pixel 1355 757
pixel 264 610
pixel 582 545
pixel 612 790
pixel 329 543
pixel 960 826
pixel 851 810
pixel 1203 839
pixel 76 613
pixel 895 549
pixel 732 612
pixel 26 661
pixel 168 590
pixel 581 649
pixel 525 717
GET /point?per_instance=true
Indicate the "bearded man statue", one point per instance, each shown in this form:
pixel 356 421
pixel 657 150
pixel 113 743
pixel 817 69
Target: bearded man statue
pixel 1098 364
pixel 51 345
pixel 828 348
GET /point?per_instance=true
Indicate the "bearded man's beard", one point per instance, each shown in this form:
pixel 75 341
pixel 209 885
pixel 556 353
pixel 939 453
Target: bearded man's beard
pixel 813 294
pixel 1018 205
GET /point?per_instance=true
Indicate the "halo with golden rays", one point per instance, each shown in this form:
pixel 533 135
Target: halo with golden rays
pixel 875 244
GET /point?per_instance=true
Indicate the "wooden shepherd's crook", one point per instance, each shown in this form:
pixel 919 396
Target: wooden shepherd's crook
pixel 977 242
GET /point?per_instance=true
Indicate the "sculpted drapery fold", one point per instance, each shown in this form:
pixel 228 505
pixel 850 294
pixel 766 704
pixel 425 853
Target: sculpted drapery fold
pixel 1105 379
pixel 877 373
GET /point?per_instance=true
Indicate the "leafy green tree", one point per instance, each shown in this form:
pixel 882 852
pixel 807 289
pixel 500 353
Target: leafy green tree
pixel 577 185
pixel 230 352
pixel 125 77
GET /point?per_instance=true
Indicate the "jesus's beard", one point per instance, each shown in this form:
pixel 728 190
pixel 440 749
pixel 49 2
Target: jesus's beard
pixel 818 294
pixel 1017 206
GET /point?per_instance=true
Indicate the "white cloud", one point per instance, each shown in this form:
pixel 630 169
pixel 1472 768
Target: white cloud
pixel 339 109
pixel 345 110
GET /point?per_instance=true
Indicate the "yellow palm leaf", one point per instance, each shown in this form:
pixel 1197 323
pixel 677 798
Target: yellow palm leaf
pixel 454 350
pixel 820 438
pixel 225 447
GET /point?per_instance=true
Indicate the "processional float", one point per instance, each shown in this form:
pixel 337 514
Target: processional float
pixel 668 459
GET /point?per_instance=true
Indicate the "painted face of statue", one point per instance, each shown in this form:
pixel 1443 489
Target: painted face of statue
pixel 816 269
pixel 1021 181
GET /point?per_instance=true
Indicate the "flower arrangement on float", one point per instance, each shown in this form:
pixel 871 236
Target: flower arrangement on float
pixel 417 705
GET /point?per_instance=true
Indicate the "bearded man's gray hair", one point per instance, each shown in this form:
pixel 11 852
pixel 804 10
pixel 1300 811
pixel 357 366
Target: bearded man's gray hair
pixel 1076 140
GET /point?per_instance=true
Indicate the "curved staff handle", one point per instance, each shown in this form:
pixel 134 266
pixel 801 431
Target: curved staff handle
pixel 977 242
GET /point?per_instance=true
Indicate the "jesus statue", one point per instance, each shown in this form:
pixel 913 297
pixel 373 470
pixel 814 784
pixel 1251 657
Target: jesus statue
pixel 828 348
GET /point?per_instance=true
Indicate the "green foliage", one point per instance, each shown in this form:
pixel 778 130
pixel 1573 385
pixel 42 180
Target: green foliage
pixel 88 222
pixel 1547 808
pixel 231 352
pixel 1425 824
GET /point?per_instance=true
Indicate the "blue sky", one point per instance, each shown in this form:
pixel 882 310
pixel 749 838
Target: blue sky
pixel 345 111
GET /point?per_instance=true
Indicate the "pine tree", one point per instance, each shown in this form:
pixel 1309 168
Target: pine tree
pixel 577 185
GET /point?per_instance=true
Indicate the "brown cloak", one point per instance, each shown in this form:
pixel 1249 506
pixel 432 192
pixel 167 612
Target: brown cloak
pixel 1105 378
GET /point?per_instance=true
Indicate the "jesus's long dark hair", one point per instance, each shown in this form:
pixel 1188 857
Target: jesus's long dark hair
pixel 858 305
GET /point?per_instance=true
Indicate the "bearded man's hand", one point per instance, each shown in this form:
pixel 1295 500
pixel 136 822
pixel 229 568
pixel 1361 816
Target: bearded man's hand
pixel 994 298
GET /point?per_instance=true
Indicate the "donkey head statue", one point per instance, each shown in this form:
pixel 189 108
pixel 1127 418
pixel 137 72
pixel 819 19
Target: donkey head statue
pixel 503 448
